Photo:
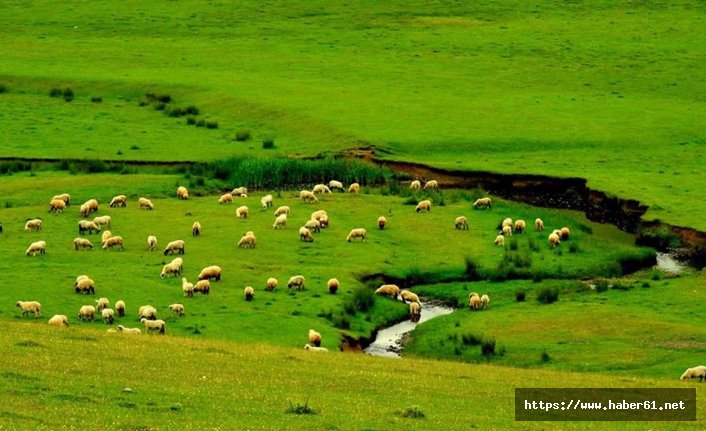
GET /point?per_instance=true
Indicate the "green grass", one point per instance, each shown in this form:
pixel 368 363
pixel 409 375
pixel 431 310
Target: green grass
pixel 602 90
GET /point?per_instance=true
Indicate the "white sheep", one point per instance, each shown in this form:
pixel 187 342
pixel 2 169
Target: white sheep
pixel 120 307
pixel 266 201
pixel 356 233
pixel 564 233
pixel 108 315
pixel 105 235
pixel 423 206
pixel 82 243
pixel 88 207
pixel 318 215
pixel 314 348
pixel 64 197
pixel 101 221
pixel 431 184
pixel 129 331
pixel 314 338
pixel 147 312
pixel 87 312
pixel 414 310
pixel 320 188
pixel 500 240
pixel 415 185
pixel 226 198
pixel 210 272
pixel 296 280
pixel 474 301
pixel 182 193
pixel 114 241
pixel 282 210
pixel 85 285
pixel 307 196
pixel 484 301
pixel 388 290
pixel 247 241
pixel 323 221
pixel 313 225
pixel 240 191
pixel 408 296
pixel 37 247
pixel 271 284
pixel 203 287
pixel 520 226
pixel 118 201
pixel 506 222
pixel 102 303
pixel 59 320
pixel 187 288
pixel 354 188
pixel 175 246
pixel 33 225
pixel 333 184
pixel 382 222
pixel 507 231
pixel 698 372
pixel 333 286
pixel 145 204
pixel 170 268
pixel 280 222
pixel 461 223
pixel 27 307
pixel 554 239
pixel 57 206
pixel 305 234
pixel 538 225
pixel 196 229
pixel 154 325
pixel 249 293
pixel 177 309
pixel 482 203
pixel 151 243
pixel 87 226
pixel 242 212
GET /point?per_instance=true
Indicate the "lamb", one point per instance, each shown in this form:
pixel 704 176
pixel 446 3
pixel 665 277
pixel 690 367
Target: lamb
pixel 102 303
pixel 484 300
pixel 105 235
pixel 240 191
pixel 354 188
pixel 64 197
pixel 313 225
pixel 247 241
pixel 333 286
pixel 154 325
pixel 103 221
pixel 320 188
pixel 87 226
pixel 242 212
pixel 554 240
pixel 226 198
pixel 187 288
pixel 415 185
pixel 388 290
pixel 482 203
pixel 314 338
pixel 698 372
pixel 196 229
pixel 249 293
pixel 314 348
pixel 87 312
pixel 151 243
pixel 182 193
pixel 37 247
pixel 210 272
pixel 520 226
pixel 120 308
pixel 305 234
pixel 564 233
pixel 147 312
pixel 82 243
pixel 118 201
pixel 282 210
pixel 500 240
pixel 271 284
pixel 307 196
pixel 59 320
pixel 414 311
pixel 266 201
pixel 108 315
pixel 538 225
pixel 173 246
pixel 145 204
pixel 356 233
pixel 85 285
pixel 114 241
pixel 423 206
pixel 129 331
pixel 408 296
pixel 474 301
pixel 27 307
pixel 461 223
pixel 382 222
pixel 280 222
pixel 177 309
pixel 33 225
pixel 333 184
pixel 172 267
pixel 431 184
pixel 203 287
pixel 88 207
pixel 57 206
pixel 296 280
pixel 507 231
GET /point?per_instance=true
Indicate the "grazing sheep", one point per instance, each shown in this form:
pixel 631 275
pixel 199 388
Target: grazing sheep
pixel 415 185
pixel 87 226
pixel 85 285
pixel 318 215
pixel 333 286
pixel 173 246
pixel 145 204
pixel 147 312
pixel 431 184
pixel 154 325
pixel 177 309
pixel 59 320
pixel 114 241
pixel 307 196
pixel 27 307
pixel 247 241
pixel 564 233
pixel 280 222
pixel 87 312
pixel 388 290
pixel 182 193
pixel 333 184
pixel 88 207
pixel 382 222
pixel 538 225
pixel 82 243
pixel 249 293
pixel 33 225
pixel 461 223
pixel 129 331
pixel 240 191
pixel 500 240
pixel 151 243
pixel 313 225
pixel 203 287
pixel 506 222
pixel 105 235
pixel 484 301
pixel 554 240
pixel 57 206
pixel 507 231
pixel 323 221
pixel 408 296
pixel 314 348
pixel 296 280
pixel 423 206
pixel 210 272
pixel 266 201
pixel 118 201
pixel 37 247
pixel 520 226
pixel 102 303
pixel 354 188
pixel 271 284
pixel 282 210
pixel 187 288
pixel 196 229
pixel 356 233
pixel 698 372
pixel 103 221
pixel 120 307
pixel 414 311
pixel 474 301
pixel 305 234
pixel 226 198
pixel 64 197
pixel 314 338
pixel 482 203
pixel 108 315
pixel 320 188
pixel 173 268
pixel 242 212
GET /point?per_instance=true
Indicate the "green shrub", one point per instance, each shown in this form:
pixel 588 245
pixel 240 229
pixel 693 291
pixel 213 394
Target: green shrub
pixel 656 275
pixel 95 99
pixel 160 106
pixel 211 125
pixel 573 248
pixel 201 123
pixel 601 285
pixel 520 295
pixel 362 298
pixel 487 347
pixel 547 295
pixel 268 143
pixel 300 409
pixel 68 94
pixel 533 245
pixel 471 339
pixel 55 92
pixel 545 357
pixel 242 135
pixel 191 110
pixel 190 121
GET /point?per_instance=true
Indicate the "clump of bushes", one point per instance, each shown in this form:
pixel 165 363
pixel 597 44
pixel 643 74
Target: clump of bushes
pixel 520 295
pixel 242 135
pixel 96 99
pixel 547 295
pixel 268 143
